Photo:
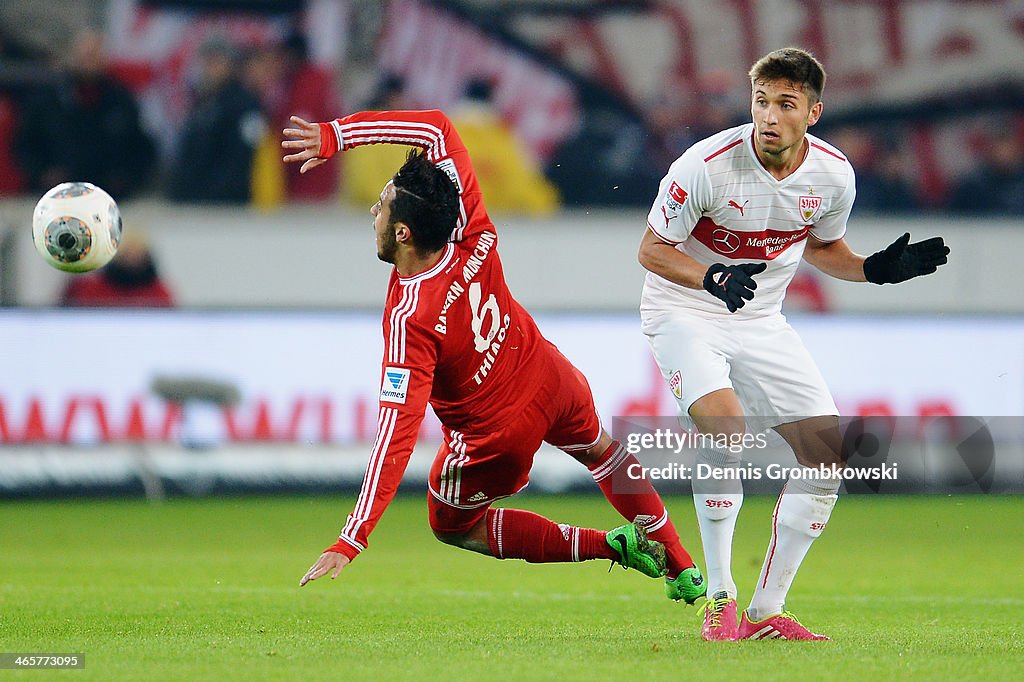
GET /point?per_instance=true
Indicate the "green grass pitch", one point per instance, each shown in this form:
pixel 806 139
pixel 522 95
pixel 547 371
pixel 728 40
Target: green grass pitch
pixel 908 587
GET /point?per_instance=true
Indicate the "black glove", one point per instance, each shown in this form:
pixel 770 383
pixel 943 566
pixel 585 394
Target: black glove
pixel 902 260
pixel 733 283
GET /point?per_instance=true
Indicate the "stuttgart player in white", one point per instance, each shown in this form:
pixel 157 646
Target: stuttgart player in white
pixel 456 338
pixel 733 217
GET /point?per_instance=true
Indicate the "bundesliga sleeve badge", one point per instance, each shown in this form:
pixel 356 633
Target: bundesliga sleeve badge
pixel 675 199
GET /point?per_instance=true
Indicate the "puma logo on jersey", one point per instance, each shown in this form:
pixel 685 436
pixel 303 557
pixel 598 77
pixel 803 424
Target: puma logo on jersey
pixel 738 207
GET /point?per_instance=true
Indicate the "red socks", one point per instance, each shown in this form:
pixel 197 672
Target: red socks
pixel 518 534
pixel 639 502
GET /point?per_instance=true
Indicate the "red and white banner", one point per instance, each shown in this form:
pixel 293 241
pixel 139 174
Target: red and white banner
pixel 439 54
pixel 85 377
pixel 156 50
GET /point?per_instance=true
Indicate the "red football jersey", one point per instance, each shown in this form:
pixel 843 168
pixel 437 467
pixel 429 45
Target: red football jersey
pixel 453 335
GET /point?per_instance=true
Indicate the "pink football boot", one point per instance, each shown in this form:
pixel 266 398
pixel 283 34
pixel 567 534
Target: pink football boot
pixel 719 620
pixel 783 626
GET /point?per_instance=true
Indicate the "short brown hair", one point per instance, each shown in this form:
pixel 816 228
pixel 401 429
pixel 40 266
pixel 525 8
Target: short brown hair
pixel 794 65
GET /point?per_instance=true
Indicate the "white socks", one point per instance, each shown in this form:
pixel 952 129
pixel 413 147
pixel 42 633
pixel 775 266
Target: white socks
pixel 800 516
pixel 718 503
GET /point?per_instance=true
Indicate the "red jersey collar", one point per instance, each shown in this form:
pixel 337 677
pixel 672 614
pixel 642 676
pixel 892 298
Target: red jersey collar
pixel 440 265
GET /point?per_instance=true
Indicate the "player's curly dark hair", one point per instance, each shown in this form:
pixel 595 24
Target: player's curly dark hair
pixel 426 200
pixel 794 65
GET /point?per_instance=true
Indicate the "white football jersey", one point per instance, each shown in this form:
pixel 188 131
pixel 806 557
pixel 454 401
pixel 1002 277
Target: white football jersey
pixel 718 204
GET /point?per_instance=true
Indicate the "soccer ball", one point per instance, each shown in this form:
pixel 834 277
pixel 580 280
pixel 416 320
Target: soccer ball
pixel 76 227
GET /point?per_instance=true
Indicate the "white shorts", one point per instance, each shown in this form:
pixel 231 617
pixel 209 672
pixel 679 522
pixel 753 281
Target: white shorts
pixel 762 359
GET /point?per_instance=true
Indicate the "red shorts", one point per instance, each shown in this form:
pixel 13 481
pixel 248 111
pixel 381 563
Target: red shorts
pixel 472 470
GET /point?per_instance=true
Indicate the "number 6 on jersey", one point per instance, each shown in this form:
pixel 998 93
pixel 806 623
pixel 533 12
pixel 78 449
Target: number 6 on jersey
pixel 480 341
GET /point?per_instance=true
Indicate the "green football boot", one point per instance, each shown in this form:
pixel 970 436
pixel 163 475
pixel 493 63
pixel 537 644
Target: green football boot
pixel 636 551
pixel 689 586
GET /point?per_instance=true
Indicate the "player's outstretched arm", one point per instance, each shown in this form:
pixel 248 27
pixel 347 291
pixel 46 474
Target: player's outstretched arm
pixel 902 260
pixel 329 562
pixel 305 137
pixel 835 259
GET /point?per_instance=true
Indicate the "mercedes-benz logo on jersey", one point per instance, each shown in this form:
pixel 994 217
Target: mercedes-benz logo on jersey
pixel 724 241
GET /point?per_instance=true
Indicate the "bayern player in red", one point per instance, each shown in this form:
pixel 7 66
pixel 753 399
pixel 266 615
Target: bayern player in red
pixel 750 202
pixel 455 337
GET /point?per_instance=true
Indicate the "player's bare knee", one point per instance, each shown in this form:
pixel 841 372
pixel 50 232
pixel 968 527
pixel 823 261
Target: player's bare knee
pixel 815 440
pixel 474 539
pixel 731 427
pixel 719 414
pixel 815 457
pixel 453 539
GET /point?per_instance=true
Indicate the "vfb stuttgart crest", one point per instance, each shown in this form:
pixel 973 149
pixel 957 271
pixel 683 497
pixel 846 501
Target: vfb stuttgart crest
pixel 676 384
pixel 809 205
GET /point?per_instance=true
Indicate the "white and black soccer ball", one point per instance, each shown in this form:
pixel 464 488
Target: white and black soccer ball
pixel 76 227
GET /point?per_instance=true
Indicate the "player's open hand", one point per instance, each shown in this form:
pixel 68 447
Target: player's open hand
pixel 902 260
pixel 306 138
pixel 734 284
pixel 329 562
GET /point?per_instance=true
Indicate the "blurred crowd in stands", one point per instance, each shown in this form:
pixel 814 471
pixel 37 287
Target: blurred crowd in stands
pixel 131 280
pixel 77 120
